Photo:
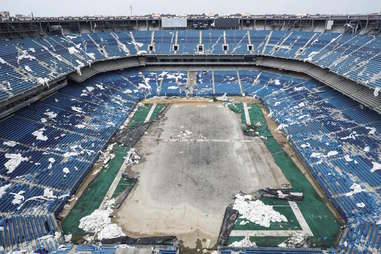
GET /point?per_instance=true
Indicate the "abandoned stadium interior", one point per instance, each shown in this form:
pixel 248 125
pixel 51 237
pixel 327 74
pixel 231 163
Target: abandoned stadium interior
pixel 252 135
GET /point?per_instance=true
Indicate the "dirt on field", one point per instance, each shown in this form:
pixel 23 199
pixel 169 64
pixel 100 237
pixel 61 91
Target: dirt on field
pixel 195 159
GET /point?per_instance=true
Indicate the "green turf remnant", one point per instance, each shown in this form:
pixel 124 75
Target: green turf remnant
pixel 93 196
pixel 142 112
pixel 157 111
pixel 321 221
pixel 140 115
pixel 122 185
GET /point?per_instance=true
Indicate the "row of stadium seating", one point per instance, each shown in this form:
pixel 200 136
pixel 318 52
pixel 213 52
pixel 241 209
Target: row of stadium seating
pixel 53 143
pixel 30 62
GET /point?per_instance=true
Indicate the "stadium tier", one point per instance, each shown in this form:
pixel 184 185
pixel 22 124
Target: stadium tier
pixel 30 62
pixel 48 148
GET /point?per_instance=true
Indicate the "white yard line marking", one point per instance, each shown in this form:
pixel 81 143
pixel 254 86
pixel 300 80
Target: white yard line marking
pixel 118 176
pixel 148 117
pixel 115 183
pixel 299 216
pixel 264 232
pixel 247 116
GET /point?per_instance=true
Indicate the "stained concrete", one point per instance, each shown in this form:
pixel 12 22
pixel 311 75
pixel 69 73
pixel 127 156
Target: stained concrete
pixel 195 160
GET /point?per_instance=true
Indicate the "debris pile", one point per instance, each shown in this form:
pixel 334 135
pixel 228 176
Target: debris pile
pixel 256 211
pixel 99 224
pixel 244 243
pixel 297 240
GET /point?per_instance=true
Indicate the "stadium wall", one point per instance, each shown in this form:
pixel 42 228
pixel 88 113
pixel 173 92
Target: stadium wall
pixel 364 24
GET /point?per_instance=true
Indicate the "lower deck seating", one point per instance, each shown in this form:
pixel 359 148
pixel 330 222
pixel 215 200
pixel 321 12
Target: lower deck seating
pixel 48 148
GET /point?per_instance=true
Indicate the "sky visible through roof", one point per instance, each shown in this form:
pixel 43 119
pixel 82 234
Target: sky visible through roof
pixel 181 7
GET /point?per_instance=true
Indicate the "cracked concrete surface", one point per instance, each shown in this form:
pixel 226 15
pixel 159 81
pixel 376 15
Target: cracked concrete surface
pixel 195 160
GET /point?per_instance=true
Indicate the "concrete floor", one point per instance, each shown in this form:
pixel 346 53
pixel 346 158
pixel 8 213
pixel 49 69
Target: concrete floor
pixel 194 161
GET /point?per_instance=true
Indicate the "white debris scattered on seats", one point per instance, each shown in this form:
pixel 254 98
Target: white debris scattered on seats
pixel 42 81
pixel 2 61
pixel 143 86
pixel 376 166
pixel 310 56
pixel 39 134
pixel 138 44
pixel 366 149
pixel 301 105
pixel 32 50
pixel 110 123
pixel 141 52
pixel 43 120
pixel 305 145
pixel 256 211
pixel 78 70
pixel 80 126
pixel 244 243
pixel 91 55
pixel 80 64
pixel 99 223
pixel 348 158
pixel 14 160
pixel 276 103
pixel 90 88
pixel 376 91
pixel 100 86
pixel 360 205
pixel 23 54
pixel 18 198
pixel 66 171
pixel 372 130
pixel 315 155
pixel 71 36
pixel 121 45
pixel 51 114
pixel 3 189
pixel 172 87
pixel 356 188
pixel 26 67
pixel 352 135
pixel 48 193
pixel 298 89
pixel 277 82
pixel 72 50
pixel 332 153
pixel 77 109
pixel 51 161
pixel 10 143
pixel 6 87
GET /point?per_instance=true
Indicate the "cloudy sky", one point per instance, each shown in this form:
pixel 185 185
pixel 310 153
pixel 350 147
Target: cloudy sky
pixel 122 7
